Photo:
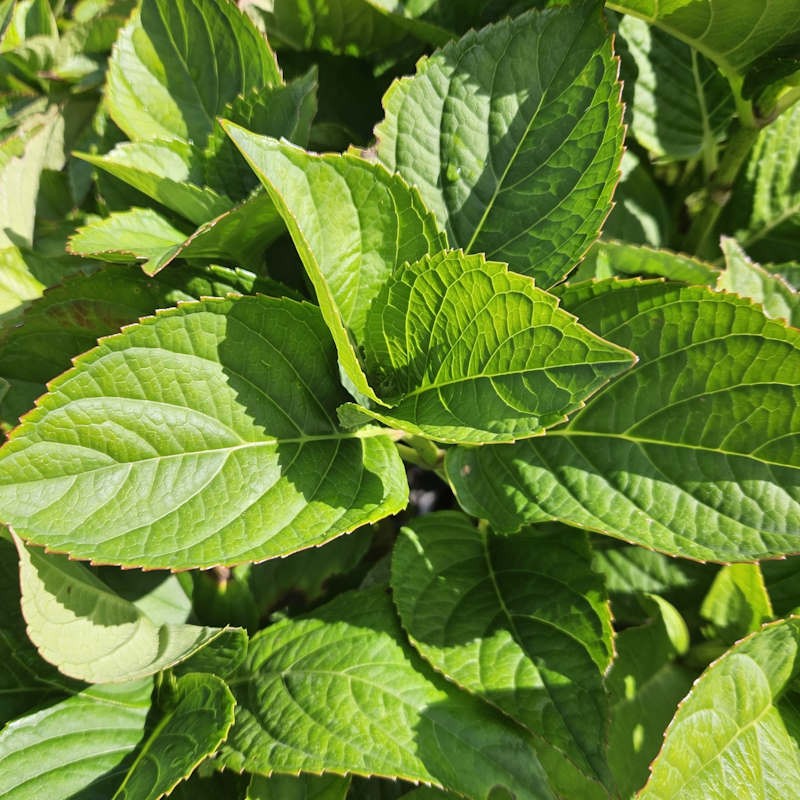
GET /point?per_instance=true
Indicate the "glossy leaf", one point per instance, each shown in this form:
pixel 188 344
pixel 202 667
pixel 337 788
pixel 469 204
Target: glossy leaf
pixel 387 714
pixel 692 452
pixel 513 136
pixel 300 787
pixel 224 446
pixel 352 223
pixel 680 104
pixel 162 82
pixel 732 735
pixel 198 718
pixel 763 213
pixel 748 279
pixel 520 621
pixel 90 633
pixel 467 351
pixel 76 747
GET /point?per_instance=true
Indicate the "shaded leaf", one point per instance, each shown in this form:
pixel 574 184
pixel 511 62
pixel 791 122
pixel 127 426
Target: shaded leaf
pixel 387 714
pixel 520 621
pixel 692 452
pixel 467 351
pixel 300 787
pixel 733 730
pixel 516 155
pixel 253 466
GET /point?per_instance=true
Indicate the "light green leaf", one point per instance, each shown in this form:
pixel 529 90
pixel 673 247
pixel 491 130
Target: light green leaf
pixel 300 787
pixel 693 452
pixel 162 82
pixel 609 257
pixel 169 172
pixel 763 213
pixel 77 747
pixel 731 34
pixel 513 136
pixel 523 623
pixel 680 105
pixel 197 720
pixel 207 436
pixel 352 223
pixel 470 352
pixel 90 633
pixel 737 603
pixel 17 284
pixel 646 683
pixel 742 276
pixel 732 736
pixel 386 713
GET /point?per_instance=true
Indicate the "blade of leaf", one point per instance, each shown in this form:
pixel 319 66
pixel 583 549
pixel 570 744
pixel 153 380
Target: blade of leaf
pixel 300 787
pixel 693 452
pixel 470 352
pixel 353 225
pixel 207 437
pixel 513 136
pixel 520 621
pixel 387 713
pixel 192 728
pixel 731 730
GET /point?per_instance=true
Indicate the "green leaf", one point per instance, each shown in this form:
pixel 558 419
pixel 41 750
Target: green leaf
pixel 733 730
pixel 742 276
pixel 386 713
pixel 692 452
pixel 646 683
pixel 516 154
pixel 680 105
pixel 17 284
pixel 731 34
pixel 90 633
pixel 609 257
pixel 169 172
pixel 783 587
pixel 198 718
pixel 353 225
pixel 207 437
pixel 162 83
pixel 300 787
pixel 763 212
pixel 470 352
pixel 738 602
pixel 523 623
pixel 75 748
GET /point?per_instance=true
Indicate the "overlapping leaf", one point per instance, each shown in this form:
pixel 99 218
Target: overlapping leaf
pixel 693 452
pixel 203 436
pixel 162 81
pixel 467 351
pixel 513 137
pixel 352 223
pixel 520 621
pixel 300 787
pixel 735 733
pixel 386 713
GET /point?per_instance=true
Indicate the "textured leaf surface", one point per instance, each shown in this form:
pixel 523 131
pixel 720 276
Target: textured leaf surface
pixel 387 714
pixel 467 351
pixel 198 719
pixel 300 787
pixel 646 683
pixel 692 452
pixel 169 172
pixel 353 225
pixel 513 137
pixel 162 81
pixel 520 621
pixel 732 736
pixel 90 633
pixel 680 104
pixel 744 277
pixel 206 436
pixel 734 35
pixel 76 747
pixel 763 213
